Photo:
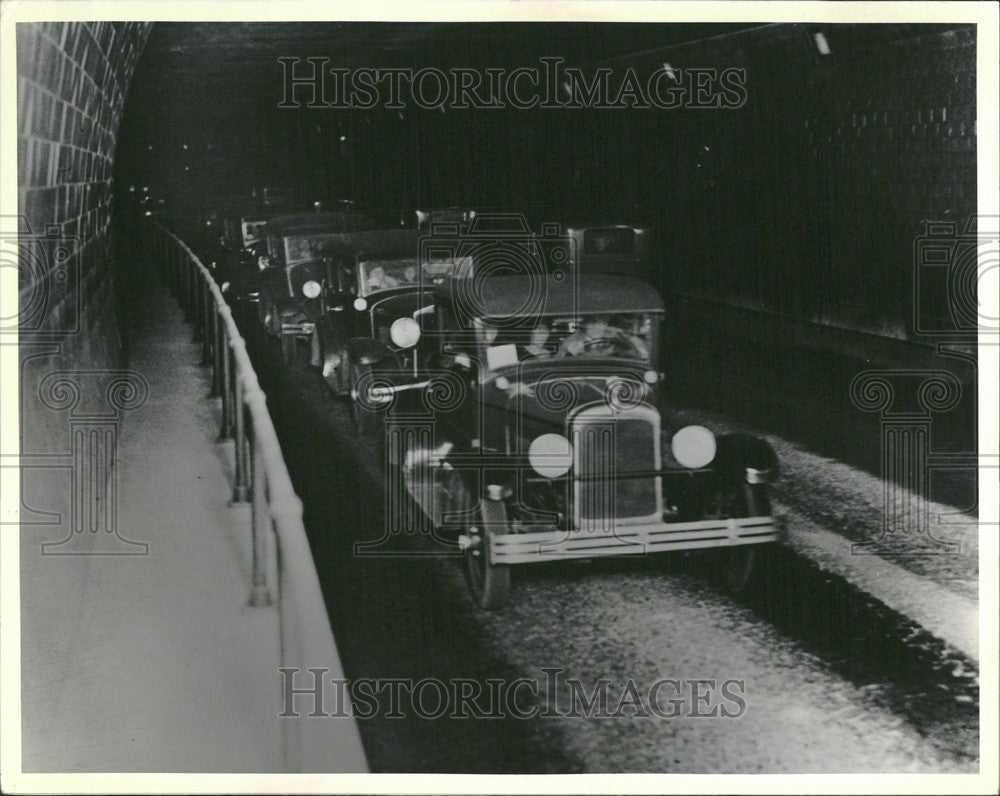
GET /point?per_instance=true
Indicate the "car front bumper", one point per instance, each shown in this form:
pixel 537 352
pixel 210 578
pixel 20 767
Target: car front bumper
pixel 642 539
pixel 298 328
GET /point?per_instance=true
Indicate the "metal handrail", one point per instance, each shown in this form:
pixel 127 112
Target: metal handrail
pixel 311 744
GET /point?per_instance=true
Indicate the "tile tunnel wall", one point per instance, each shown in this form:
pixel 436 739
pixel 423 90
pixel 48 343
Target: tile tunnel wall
pixel 72 79
pixel 845 153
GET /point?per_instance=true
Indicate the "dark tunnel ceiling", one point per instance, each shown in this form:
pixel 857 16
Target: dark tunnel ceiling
pixel 231 59
pixel 216 74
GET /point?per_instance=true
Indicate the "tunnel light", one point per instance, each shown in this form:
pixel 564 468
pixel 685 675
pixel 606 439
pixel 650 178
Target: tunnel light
pixel 343 138
pixel 821 44
pixel 145 189
pixel 185 146
pixel 131 189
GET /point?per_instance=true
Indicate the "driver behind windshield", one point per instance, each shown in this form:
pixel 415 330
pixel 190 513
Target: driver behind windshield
pixel 537 346
pixel 597 336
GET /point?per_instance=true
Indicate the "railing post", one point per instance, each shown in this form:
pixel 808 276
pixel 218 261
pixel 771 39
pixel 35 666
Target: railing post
pixel 206 324
pixel 226 383
pixel 197 311
pixel 261 523
pixel 176 273
pixel 241 491
pixel 187 299
pixel 217 346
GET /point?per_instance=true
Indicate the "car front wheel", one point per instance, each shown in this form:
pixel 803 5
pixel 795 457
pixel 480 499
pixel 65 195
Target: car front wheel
pixel 315 349
pixel 737 563
pixel 489 583
pixel 364 416
pixel 289 345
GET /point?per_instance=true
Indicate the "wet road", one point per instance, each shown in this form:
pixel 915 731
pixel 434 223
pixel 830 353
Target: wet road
pixel 807 699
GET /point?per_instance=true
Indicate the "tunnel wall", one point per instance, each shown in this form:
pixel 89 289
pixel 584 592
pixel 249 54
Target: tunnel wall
pixel 72 82
pixel 785 229
pixel 805 202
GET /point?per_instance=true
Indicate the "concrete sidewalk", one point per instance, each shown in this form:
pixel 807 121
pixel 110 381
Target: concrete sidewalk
pixel 153 662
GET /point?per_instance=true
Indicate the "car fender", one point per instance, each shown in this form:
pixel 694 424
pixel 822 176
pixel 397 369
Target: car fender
pixel 366 351
pixel 331 339
pixel 745 457
pixel 332 331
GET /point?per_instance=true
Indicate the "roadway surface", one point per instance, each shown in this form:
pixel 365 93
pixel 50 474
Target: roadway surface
pixel 830 683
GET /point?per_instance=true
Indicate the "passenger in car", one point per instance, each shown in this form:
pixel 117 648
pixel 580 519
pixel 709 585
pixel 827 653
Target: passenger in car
pixel 537 347
pixel 597 337
pixel 378 279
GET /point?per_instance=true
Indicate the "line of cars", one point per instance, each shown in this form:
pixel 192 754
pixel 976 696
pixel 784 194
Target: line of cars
pixel 511 380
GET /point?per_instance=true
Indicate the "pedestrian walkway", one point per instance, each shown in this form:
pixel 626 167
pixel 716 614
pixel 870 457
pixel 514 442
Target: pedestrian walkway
pixel 154 662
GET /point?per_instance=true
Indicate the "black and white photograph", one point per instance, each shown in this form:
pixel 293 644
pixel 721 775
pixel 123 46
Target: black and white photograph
pixel 507 388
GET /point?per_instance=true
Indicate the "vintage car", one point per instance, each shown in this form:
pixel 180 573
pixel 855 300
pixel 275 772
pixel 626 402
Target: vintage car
pixel 610 248
pixel 242 242
pixel 542 438
pixel 457 215
pixel 374 279
pixel 293 271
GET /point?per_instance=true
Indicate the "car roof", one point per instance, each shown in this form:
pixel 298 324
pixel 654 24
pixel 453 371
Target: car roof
pixel 307 223
pixel 554 294
pixel 252 213
pixel 387 244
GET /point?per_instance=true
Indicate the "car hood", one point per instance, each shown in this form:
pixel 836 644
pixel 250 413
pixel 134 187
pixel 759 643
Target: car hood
pixel 544 393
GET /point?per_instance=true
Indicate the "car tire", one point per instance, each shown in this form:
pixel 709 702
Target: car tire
pixel 341 379
pixel 316 350
pixel 345 377
pixel 737 564
pixel 366 419
pixel 289 348
pixel 488 583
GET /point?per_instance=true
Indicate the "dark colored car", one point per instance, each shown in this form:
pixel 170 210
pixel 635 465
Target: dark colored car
pixel 377 284
pixel 293 271
pixel 448 215
pixel 610 248
pixel 549 443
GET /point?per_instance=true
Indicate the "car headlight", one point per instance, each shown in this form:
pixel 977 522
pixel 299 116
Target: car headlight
pixel 311 289
pixel 550 455
pixel 404 332
pixel 693 446
pixel 360 304
pixel 262 262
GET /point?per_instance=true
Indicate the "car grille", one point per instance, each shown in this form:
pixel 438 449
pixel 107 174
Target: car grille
pixel 605 447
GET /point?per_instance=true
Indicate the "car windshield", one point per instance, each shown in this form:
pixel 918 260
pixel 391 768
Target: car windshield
pixel 384 274
pixel 300 248
pixel 599 335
